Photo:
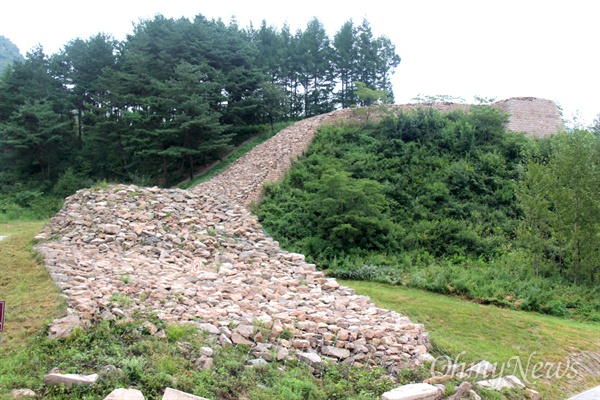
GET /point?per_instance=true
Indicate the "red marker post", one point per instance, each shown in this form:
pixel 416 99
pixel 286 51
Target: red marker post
pixel 2 303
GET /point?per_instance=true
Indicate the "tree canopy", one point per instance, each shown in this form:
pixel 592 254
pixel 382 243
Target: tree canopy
pixel 171 97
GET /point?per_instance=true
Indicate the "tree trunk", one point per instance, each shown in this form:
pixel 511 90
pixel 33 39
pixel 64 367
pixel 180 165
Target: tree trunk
pixel 122 152
pixel 80 126
pixel 165 172
pixel 38 156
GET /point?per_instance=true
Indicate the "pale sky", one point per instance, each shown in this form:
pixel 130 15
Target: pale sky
pixel 462 48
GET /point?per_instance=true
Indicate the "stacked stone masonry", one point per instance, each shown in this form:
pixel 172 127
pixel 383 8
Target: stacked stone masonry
pixel 198 256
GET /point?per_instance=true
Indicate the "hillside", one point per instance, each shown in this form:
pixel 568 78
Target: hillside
pixel 9 52
pixel 198 256
pixel 449 202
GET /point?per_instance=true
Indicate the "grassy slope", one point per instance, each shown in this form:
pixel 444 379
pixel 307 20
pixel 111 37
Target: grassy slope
pixel 494 334
pixel 31 297
pixel 235 155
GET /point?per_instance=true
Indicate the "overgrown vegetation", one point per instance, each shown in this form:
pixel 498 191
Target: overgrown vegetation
pixel 429 200
pixel 168 101
pixel 151 364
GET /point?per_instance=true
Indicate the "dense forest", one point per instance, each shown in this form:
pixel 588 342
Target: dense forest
pixel 169 99
pixel 450 203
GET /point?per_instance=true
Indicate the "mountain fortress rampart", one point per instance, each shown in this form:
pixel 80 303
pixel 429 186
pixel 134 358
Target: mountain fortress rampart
pixel 198 256
pixel 533 116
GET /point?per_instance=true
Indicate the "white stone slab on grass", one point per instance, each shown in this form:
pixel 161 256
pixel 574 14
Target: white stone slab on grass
pixel 414 391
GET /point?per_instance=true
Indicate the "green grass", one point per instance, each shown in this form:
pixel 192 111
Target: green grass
pixel 477 332
pixel 31 297
pixel 458 328
pixel 151 364
pixel 235 155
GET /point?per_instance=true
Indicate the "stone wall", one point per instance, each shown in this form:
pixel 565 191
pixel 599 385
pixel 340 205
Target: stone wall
pixel 535 117
pixel 199 256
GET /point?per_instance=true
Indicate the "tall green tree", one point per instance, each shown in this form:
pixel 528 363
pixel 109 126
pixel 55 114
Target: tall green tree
pixel 34 122
pixel 376 59
pixel 575 165
pixel 273 103
pixel 316 75
pixel 34 137
pixel 534 200
pixel 559 200
pixel 82 62
pixel 200 133
pixel 345 59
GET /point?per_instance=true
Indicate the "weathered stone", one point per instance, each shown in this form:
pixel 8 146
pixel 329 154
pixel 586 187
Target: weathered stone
pixel 282 353
pixel 343 334
pixel 206 351
pixel 110 371
pixel 244 330
pixel 236 338
pixel 414 391
pixel 335 352
pixel 150 327
pixel 70 379
pixel 63 327
pixel 463 389
pixel 210 328
pixel 174 394
pixel 257 362
pixel 22 393
pixel 438 379
pixel 125 394
pixel 507 382
pixel 483 368
pixel 310 358
pixel 532 394
pixel 473 395
pixel 301 344
pixel 207 364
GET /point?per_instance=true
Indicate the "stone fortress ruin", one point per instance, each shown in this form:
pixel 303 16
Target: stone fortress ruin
pixel 198 256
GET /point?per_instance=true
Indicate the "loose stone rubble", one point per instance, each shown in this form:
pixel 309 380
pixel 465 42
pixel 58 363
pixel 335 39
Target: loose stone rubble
pixel 200 257
pixel 243 180
pixel 189 256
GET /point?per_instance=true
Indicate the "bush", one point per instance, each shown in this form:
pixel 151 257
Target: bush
pixel 69 183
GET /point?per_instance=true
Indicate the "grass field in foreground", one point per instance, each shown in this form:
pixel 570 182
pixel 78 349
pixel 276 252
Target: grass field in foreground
pixel 478 332
pixel 31 297
pixel 457 327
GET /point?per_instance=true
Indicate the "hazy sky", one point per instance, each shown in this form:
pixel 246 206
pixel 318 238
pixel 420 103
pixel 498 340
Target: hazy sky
pixel 508 48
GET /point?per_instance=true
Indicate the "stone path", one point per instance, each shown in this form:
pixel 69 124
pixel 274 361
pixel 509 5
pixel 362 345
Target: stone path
pixel 199 256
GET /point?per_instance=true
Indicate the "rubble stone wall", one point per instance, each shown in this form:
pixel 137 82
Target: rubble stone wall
pixel 536 117
pixel 199 256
